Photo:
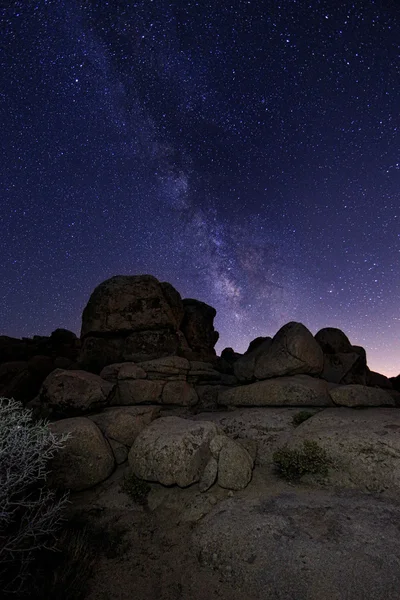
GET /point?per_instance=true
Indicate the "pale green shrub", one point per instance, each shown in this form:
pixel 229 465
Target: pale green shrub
pixel 30 513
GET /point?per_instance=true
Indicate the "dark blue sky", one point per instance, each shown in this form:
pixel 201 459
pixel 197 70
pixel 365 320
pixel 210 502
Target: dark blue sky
pixel 245 151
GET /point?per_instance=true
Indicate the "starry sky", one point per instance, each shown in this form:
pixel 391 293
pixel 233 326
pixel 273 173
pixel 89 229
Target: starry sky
pixel 247 151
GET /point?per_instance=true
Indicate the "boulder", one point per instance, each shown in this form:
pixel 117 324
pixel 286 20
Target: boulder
pixel 198 329
pixel 128 392
pixel 298 545
pixel 209 475
pixel 168 368
pixel 180 393
pixel 229 355
pixel 86 458
pixel 254 344
pixel 358 373
pixel 119 450
pixel 73 393
pixel 293 350
pixel 235 466
pixel 207 396
pixel 360 395
pixel 123 424
pixel 337 366
pixel 333 341
pixel 125 370
pixel 244 367
pixel 378 380
pixel 298 390
pixel 172 451
pixel 202 373
pixel 363 444
pixel 128 303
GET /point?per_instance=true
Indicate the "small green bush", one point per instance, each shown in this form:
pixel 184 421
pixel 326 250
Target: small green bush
pixel 292 464
pixel 136 488
pixel 301 416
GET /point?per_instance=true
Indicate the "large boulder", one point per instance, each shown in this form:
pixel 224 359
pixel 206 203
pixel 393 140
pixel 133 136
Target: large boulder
pixel 172 451
pixel 254 344
pixel 86 458
pixel 375 379
pixel 363 444
pixel 168 368
pixel 123 424
pixel 198 329
pixel 235 466
pixel 298 390
pixel 360 395
pixel 338 366
pixel 333 341
pixel 244 366
pixel 128 392
pixel 130 318
pixel 293 350
pixel 299 545
pixel 69 393
pixel 343 363
pixel 127 303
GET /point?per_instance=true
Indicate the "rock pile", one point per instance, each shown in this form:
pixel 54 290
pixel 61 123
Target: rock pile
pixel 134 388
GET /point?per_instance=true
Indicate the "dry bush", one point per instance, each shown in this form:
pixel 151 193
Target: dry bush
pixel 30 513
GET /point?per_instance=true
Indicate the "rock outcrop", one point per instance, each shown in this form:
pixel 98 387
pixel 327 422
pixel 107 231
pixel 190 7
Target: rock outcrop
pixel 138 318
pixel 198 329
pixel 172 380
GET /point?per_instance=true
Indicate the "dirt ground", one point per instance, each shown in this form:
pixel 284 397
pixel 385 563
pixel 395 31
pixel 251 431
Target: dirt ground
pixel 147 552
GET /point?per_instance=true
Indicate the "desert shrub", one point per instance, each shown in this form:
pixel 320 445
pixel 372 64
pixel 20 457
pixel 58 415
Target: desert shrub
pixel 301 416
pixel 30 513
pixel 136 488
pixel 293 463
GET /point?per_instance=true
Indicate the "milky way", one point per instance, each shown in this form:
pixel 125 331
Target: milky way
pixel 245 151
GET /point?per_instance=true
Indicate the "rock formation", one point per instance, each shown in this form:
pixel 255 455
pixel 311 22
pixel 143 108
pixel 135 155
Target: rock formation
pixel 138 318
pixel 133 388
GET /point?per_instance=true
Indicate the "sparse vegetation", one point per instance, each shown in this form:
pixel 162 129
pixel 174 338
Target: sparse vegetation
pixel 31 513
pixel 136 488
pixel 301 416
pixel 292 464
pixel 63 574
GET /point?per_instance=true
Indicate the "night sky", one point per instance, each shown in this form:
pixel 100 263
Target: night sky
pixel 245 151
